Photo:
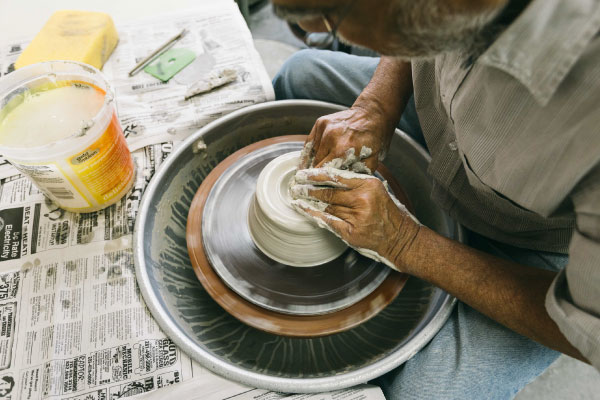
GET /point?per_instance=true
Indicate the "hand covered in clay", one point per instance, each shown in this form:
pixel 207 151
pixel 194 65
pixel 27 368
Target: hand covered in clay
pixel 354 139
pixel 359 209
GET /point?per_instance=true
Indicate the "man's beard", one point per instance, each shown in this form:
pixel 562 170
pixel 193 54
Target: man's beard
pixel 420 29
pixel 427 28
pixel 297 14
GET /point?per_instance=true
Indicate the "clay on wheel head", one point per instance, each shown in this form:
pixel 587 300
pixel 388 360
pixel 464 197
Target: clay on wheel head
pixel 278 230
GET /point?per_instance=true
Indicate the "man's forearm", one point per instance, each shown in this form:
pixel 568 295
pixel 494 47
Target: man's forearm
pixel 388 91
pixel 509 293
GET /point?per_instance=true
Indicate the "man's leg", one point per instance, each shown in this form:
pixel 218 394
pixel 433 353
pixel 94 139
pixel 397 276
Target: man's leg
pixel 324 75
pixel 335 77
pixel 472 357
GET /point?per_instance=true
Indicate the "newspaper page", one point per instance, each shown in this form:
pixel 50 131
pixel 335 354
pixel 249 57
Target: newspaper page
pixel 152 111
pixel 31 224
pixel 216 388
pixel 73 323
pixel 81 329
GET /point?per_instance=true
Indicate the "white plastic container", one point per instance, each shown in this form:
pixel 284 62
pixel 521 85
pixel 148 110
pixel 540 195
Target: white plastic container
pixel 84 170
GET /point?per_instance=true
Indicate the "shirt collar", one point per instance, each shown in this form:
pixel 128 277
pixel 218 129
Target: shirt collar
pixel 541 46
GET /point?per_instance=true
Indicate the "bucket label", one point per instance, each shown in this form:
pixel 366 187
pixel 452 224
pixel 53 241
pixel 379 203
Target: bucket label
pixel 105 168
pixel 83 157
pixel 64 134
pixel 90 179
pixel 53 183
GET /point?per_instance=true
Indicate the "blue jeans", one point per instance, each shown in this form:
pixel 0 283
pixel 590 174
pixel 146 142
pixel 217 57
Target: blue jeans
pixel 471 357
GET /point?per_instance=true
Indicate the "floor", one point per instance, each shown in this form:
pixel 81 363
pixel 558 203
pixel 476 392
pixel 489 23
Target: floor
pixel 567 378
pixel 272 37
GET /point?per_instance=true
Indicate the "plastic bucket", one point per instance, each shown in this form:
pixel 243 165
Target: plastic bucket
pixel 85 170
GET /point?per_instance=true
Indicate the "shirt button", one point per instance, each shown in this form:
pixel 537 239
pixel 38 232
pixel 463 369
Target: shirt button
pixel 453 146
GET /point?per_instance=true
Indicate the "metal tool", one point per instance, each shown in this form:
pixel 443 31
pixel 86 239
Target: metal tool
pixel 157 52
pixel 211 82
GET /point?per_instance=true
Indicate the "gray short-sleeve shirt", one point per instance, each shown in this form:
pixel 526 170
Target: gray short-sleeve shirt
pixel 515 145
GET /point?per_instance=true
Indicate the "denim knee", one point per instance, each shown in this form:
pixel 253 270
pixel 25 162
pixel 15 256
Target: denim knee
pixel 294 75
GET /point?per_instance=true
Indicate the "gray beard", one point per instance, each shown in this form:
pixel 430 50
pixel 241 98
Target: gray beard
pixel 421 29
pixel 427 28
pixel 297 14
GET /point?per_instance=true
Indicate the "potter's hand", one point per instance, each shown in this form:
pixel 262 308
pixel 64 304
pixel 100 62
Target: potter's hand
pixel 351 139
pixel 358 209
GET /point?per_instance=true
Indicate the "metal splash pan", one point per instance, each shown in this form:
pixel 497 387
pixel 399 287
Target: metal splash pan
pixel 226 346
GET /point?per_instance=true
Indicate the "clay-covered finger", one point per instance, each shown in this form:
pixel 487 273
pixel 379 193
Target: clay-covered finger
pixel 306 155
pixel 321 218
pixel 371 163
pixel 328 148
pixel 308 151
pixel 316 177
pixel 352 159
pixel 331 177
pixel 323 154
pixel 365 152
pixel 337 196
pixel 330 160
pixel 340 211
pixel 314 138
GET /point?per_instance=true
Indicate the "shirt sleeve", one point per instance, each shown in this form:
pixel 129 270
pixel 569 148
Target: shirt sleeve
pixel 573 300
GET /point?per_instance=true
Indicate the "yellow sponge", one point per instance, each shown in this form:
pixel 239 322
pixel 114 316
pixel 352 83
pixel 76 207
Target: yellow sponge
pixel 85 36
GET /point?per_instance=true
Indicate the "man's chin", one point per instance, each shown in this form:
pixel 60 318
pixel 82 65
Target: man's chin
pixel 417 49
pixel 401 54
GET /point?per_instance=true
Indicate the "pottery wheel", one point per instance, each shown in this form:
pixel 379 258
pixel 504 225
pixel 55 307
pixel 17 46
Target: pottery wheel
pixel 270 296
pixel 261 280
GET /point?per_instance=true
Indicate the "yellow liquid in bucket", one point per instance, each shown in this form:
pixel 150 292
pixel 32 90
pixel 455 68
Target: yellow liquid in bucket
pixel 91 176
pixel 47 116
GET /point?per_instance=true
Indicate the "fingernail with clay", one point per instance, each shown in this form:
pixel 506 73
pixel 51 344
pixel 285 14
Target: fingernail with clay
pixel 306 158
pixel 307 204
pixel 299 191
pixel 365 152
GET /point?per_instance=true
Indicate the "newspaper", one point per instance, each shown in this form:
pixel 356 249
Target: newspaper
pixel 73 324
pixel 216 388
pixel 80 330
pixel 151 111
pixel 31 224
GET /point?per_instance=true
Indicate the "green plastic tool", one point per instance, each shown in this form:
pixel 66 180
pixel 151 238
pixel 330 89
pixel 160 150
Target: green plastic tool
pixel 170 63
